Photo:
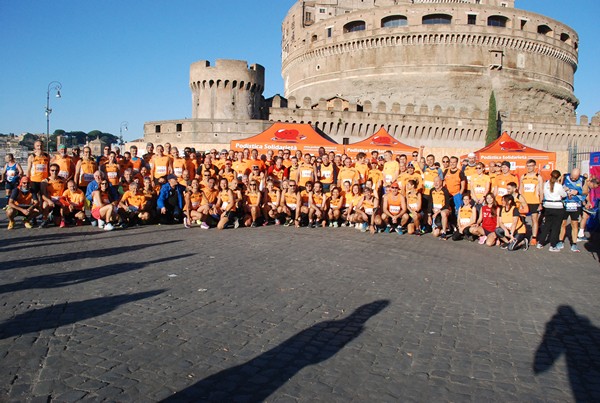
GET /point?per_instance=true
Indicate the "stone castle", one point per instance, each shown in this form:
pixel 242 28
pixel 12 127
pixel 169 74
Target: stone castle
pixel 422 69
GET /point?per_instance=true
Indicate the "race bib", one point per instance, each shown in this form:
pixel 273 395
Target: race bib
pixel 571 206
pixel 529 187
pixel 178 171
pixel 388 178
pixel 394 209
pixel 292 206
pixel 369 211
pixel 195 204
pixel 502 191
pixel 428 184
pixel 40 167
pixel 112 175
pixel 465 221
pixel 10 175
pixel 224 205
pixel 479 190
pixel 508 225
pixel 327 174
pixel 63 174
pixel 88 177
pixel 437 206
pixel 413 206
pixel 306 174
pixel 162 170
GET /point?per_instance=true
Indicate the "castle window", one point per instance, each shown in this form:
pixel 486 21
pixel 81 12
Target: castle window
pixel 565 38
pixel 355 26
pixel 394 21
pixel 322 10
pixel 314 38
pixel 157 129
pixel 497 21
pixel 544 30
pixel 523 24
pixel 435 19
pixel 329 32
pixel 345 141
pixel 179 127
pixel 471 19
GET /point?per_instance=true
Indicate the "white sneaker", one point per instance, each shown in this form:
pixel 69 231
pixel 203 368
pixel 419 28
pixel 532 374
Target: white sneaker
pixel 101 223
pixel 108 227
pixel 186 223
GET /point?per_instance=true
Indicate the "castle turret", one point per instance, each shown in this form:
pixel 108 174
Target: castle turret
pixel 228 90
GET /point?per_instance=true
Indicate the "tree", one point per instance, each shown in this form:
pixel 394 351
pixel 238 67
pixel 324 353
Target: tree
pixel 59 132
pixel 492 129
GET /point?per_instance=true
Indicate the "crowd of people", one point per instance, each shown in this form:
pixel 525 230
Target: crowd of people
pixel 398 194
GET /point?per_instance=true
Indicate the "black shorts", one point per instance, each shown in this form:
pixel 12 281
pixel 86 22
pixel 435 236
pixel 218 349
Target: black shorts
pixel 35 187
pixel 9 186
pixel 573 214
pixel 533 208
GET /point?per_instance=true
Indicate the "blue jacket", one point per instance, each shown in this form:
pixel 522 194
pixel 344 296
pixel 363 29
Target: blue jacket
pixel 164 195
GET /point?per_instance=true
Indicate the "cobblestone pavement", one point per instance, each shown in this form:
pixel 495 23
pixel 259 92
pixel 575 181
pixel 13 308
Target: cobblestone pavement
pixel 284 314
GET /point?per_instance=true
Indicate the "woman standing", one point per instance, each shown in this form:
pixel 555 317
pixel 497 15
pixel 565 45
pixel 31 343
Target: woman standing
pixel 554 212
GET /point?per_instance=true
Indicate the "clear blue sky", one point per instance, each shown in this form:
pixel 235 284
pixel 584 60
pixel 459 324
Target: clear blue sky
pixel 122 60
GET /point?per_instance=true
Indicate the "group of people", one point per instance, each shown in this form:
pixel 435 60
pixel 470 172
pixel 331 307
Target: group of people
pixel 374 193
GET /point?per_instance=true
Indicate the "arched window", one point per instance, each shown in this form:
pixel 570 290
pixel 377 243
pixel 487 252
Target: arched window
pixel 565 38
pixel 544 30
pixel 355 26
pixel 394 21
pixel 497 21
pixel 434 19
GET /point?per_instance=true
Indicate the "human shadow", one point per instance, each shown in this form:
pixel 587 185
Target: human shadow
pixel 592 245
pixel 574 336
pixel 72 256
pixel 68 278
pixel 67 313
pixel 257 379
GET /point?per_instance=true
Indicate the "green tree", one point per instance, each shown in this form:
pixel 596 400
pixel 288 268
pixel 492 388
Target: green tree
pixel 59 132
pixel 492 129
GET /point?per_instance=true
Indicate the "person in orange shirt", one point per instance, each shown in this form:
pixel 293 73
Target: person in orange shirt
pixel 470 169
pixel 84 171
pixel 37 167
pixel 180 164
pixel 208 209
pixel 52 188
pixel 456 183
pixel 317 212
pixel 413 217
pixel 375 175
pixel 111 169
pixel 149 154
pixel 336 207
pixel 502 180
pixel 394 208
pixel 125 162
pixel 161 164
pixel 252 203
pixel 511 229
pixel 307 172
pixel 103 159
pixel 367 211
pixel 103 207
pixel 327 173
pixel 255 160
pixel 227 172
pixel 240 166
pixel 439 208
pixel 258 176
pixel 361 167
pixel 227 204
pixel 348 173
pixel 480 185
pixel 466 220
pixel 72 204
pixel 270 202
pixel 22 201
pixel 65 163
pixel 532 189
pixel 391 169
pixel 136 162
pixel 193 200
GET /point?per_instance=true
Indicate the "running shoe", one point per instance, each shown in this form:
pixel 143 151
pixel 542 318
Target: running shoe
pixel 236 223
pixel 27 224
pixel 526 244
pixel 253 225
pixel 512 244
pixel 93 223
pixel 582 239
pixel 63 224
pixel 11 224
pixel 357 226
pixel 265 223
pixel 482 239
pixel 288 222
pixel 539 246
pixel 335 224
pixel 399 231
pixel 108 227
pixel 44 224
pixel 101 224
pixel 388 229
pixel 277 222
pixel 186 222
pixel 504 246
pixel 574 248
pixel 205 225
pixel 553 249
pixel 364 227
pixel 560 245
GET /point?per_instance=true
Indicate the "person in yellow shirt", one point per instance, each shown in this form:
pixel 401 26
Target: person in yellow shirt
pixel 502 180
pixel 466 219
pixel 348 173
pixel 290 204
pixel 367 211
pixel 413 217
pixel 335 205
pixel 375 175
pixel 307 172
pixel 52 189
pixel 361 167
pixel 161 164
pixel 480 185
pixel 317 202
pixel 394 208
pixel 391 169
pixel 131 205
pixel 72 204
pixel 270 202
pixel 252 204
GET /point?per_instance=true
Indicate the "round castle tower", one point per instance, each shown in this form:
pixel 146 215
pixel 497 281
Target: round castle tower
pixel 451 53
pixel 228 90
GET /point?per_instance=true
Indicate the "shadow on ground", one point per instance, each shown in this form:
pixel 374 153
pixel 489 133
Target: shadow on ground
pixel 257 379
pixel 68 278
pixel 574 336
pixel 68 313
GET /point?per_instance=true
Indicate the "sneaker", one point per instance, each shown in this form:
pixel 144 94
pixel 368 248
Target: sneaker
pixel 533 242
pixel 253 225
pixel 574 248
pixel 312 225
pixel 108 227
pixel 277 222
pixel 526 244
pixel 28 225
pixel 236 223
pixel 198 222
pixel 63 224
pixel 582 239
pixel 346 224
pixel 554 249
pixel 204 225
pixel 539 246
pixel 504 246
pixel 330 225
pixel 93 223
pixel 512 244
pixel 357 226
pixel 11 224
pixel 364 227
pixel 482 239
pixel 101 224
pixel 388 229
pixel 399 230
pixel 288 222
pixel 44 224
pixel 265 223
pixel 186 222
pixel 443 236
pixel 335 224
pixel 560 245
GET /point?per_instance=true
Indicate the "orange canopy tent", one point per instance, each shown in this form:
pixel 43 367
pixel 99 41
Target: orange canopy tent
pixel 505 148
pixel 380 142
pixel 287 136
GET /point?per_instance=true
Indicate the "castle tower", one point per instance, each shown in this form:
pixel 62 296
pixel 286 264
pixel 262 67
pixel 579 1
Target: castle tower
pixel 451 53
pixel 228 90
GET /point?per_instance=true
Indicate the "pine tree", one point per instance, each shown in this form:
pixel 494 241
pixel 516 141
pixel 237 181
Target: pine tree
pixel 492 129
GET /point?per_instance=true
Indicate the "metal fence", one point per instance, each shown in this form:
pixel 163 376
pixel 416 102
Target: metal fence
pixel 580 156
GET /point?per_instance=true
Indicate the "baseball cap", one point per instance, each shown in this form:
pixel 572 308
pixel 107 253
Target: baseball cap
pixel 169 177
pixel 471 155
pixel 395 186
pixel 505 163
pixel 61 146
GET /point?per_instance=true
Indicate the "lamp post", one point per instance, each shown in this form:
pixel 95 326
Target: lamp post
pixel 124 125
pixel 52 86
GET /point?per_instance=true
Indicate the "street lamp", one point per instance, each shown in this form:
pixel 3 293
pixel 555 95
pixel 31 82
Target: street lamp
pixel 124 125
pixel 52 86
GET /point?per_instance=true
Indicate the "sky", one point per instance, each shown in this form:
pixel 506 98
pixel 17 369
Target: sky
pixel 128 61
